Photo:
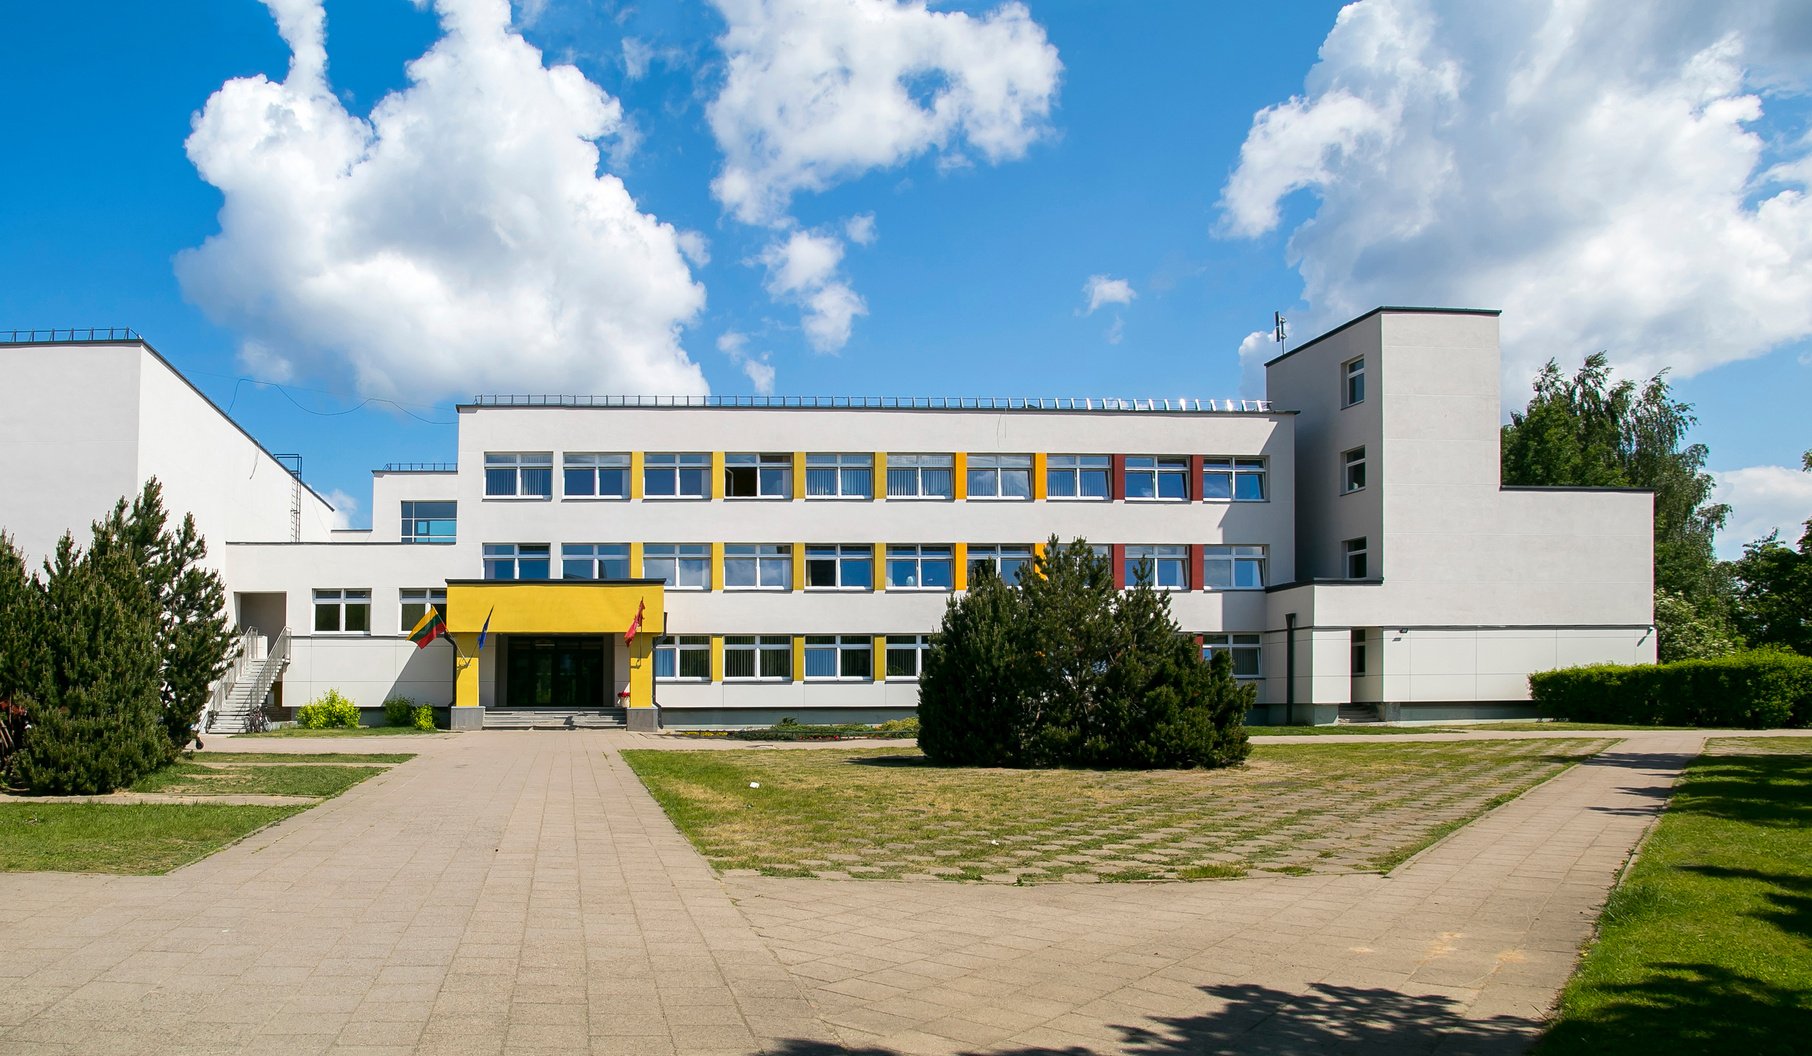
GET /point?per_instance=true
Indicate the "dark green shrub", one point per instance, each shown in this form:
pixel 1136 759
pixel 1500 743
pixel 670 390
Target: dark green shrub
pixel 399 711
pixel 1761 689
pixel 329 711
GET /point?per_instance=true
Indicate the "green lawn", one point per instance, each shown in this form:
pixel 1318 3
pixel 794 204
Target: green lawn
pixel 1376 729
pixel 1706 947
pixel 132 838
pixel 223 777
pixel 362 731
pixel 301 757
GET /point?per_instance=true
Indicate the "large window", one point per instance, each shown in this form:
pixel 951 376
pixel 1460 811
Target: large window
pixel 1168 565
pixel 667 475
pixel 342 612
pixel 519 474
pixel 415 604
pixel 829 657
pixel 1352 375
pixel 919 568
pixel 683 566
pixel 591 475
pixel 1242 648
pixel 920 477
pixel 758 566
pixel 517 560
pixel 594 561
pixel 753 476
pixel 1152 477
pixel 850 567
pixel 1233 567
pixel 753 658
pixel 1003 561
pixel 834 476
pixel 1352 470
pixel 685 657
pixel 1234 479
pixel 429 522
pixel 906 655
pixel 1000 476
pixel 1353 550
pixel 1077 476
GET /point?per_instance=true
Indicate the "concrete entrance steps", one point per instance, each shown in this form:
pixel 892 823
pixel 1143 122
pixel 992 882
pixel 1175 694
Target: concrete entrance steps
pixel 555 718
pixel 1353 713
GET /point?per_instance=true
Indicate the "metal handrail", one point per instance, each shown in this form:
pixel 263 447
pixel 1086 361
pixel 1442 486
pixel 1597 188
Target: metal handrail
pixel 223 686
pixel 262 678
pixel 908 403
pixel 421 467
pixel 58 336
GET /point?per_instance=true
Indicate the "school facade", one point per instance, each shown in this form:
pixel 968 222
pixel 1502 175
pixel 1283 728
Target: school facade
pixel 731 561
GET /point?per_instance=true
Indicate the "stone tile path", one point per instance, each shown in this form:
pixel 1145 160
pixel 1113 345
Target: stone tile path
pixel 519 892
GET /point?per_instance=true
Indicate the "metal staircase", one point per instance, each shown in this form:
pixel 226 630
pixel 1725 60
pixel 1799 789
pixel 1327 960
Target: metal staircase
pixel 240 695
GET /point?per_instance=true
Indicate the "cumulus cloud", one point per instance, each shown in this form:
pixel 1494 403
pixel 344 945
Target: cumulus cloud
pixel 860 229
pixel 757 369
pixel 458 238
pixel 1763 499
pixel 1253 351
pixel 1100 290
pixel 344 506
pixel 803 269
pixel 1595 170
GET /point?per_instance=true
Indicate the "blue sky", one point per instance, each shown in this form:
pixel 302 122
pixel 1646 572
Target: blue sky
pixel 980 199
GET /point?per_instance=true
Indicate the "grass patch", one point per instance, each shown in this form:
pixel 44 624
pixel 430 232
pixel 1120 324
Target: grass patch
pixel 253 779
pixel 1704 946
pixel 131 838
pixel 889 813
pixel 1375 729
pixel 1758 745
pixel 362 731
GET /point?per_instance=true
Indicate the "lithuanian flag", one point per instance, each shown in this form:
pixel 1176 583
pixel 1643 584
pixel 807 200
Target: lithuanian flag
pixel 428 628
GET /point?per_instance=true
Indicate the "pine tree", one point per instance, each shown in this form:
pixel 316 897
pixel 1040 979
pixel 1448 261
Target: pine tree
pixel 969 689
pixel 21 615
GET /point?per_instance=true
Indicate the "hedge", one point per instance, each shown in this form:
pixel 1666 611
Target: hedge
pixel 1752 690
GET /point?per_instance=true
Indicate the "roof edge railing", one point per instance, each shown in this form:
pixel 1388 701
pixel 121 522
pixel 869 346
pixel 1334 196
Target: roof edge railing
pixel 907 403
pixel 420 467
pixel 70 334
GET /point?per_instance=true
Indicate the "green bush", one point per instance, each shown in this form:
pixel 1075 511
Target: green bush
pixel 1761 689
pixel 330 711
pixel 421 717
pixel 399 711
pixel 906 727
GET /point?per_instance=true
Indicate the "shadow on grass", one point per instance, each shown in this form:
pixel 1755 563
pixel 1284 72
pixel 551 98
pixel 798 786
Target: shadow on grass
pixel 1753 789
pixel 1688 1008
pixel 892 761
pixel 1790 901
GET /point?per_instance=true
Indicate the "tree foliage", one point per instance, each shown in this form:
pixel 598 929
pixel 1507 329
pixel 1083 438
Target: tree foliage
pixel 1774 593
pixel 1062 669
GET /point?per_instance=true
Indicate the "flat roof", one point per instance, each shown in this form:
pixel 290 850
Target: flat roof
pixel 1404 309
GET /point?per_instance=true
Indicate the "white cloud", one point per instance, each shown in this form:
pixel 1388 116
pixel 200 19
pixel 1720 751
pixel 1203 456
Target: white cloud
pixel 1592 169
pixel 803 269
pixel 637 56
pixel 344 506
pixel 1100 290
pixel 1116 332
pixel 1763 499
pixel 1253 351
pixel 860 229
pixel 458 239
pixel 757 369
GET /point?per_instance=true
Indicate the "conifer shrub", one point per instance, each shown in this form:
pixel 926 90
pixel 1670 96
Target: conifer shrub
pixel 329 711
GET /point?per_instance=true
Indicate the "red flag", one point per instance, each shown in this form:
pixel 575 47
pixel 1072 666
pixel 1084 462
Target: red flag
pixel 635 624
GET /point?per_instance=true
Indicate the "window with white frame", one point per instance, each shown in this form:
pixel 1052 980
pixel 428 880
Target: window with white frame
pixel 1233 479
pixel 1243 649
pixel 921 476
pixel 758 566
pixel 671 475
pixel 1078 476
pixel 1167 566
pixel 830 657
pixel 683 658
pixel 1007 562
pixel 1352 470
pixel 1164 478
pixel 906 655
pixel 758 658
pixel 594 561
pixel 833 567
pixel 1233 567
pixel 1353 550
pixel 518 474
pixel 415 602
pixel 1352 376
pixel 682 566
pixel 429 521
pixel 1000 476
pixel 517 560
pixel 594 475
pixel 839 476
pixel 758 476
pixel 342 612
pixel 919 568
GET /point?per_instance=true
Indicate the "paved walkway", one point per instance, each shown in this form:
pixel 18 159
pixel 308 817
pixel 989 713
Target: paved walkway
pixel 520 892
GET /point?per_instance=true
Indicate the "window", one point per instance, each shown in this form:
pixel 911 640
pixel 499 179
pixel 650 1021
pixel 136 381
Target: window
pixel 1234 479
pixel 1243 648
pixel 1353 374
pixel 1358 652
pixel 1233 567
pixel 1168 568
pixel 768 476
pixel 906 655
pixel 684 566
pixel 596 476
pixel 749 658
pixel 831 656
pixel 1354 550
pixel 1000 476
pixel 1352 476
pixel 343 612
pixel 832 476
pixel 516 560
pixel 676 476
pixel 428 522
pixel 920 477
pixel 685 657
pixel 1077 476
pixel 1003 561
pixel 594 561
pixel 758 566
pixel 1149 477
pixel 919 568
pixel 416 602
pixel 521 475
pixel 839 567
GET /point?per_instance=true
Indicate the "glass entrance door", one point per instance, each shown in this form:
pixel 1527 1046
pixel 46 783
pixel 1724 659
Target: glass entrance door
pixel 555 672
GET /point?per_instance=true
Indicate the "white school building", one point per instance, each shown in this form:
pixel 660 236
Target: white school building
pixel 1347 539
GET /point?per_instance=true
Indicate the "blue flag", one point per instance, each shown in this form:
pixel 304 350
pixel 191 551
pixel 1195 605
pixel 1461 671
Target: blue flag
pixel 485 631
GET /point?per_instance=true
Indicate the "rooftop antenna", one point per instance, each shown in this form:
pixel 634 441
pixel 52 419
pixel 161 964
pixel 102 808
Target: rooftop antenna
pixel 1277 329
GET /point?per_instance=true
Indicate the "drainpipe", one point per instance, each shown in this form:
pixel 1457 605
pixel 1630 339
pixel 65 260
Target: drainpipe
pixel 1289 668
